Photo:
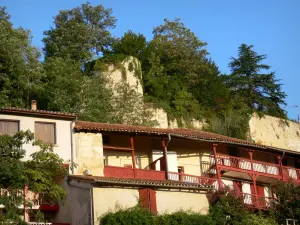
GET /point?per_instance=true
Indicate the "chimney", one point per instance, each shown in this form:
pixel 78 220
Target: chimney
pixel 33 104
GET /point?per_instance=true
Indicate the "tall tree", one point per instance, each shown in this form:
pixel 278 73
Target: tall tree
pixel 261 91
pixel 173 59
pixel 79 33
pixel 20 68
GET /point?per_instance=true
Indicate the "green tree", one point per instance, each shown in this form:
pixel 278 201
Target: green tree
pixel 20 68
pixel 39 173
pixel 286 204
pixel 171 65
pixel 131 44
pixel 79 33
pixel 261 91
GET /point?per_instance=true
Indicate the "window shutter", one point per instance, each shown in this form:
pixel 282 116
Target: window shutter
pixel 9 127
pixel 45 132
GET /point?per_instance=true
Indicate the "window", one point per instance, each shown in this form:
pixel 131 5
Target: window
pixel 9 127
pixel 45 132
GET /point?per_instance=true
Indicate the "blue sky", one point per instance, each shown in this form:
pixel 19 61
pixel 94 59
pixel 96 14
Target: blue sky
pixel 272 26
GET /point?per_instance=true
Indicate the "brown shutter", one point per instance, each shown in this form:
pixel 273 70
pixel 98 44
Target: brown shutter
pixel 45 132
pixel 9 127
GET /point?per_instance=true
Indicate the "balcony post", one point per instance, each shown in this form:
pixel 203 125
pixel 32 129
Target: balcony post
pixel 165 155
pixel 280 175
pixel 132 152
pixel 255 189
pixel 250 152
pixel 217 166
pixel 26 193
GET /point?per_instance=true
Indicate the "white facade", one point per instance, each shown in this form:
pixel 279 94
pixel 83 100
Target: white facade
pixel 63 133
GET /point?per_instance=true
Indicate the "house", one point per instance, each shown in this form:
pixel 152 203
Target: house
pixel 163 169
pixel 50 127
pixel 168 169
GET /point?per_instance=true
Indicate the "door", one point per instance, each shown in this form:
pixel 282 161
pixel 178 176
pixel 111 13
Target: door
pixel 260 198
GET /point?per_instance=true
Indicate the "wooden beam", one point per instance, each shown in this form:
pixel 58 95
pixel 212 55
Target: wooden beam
pixel 115 148
pixel 132 152
pixel 165 154
pixel 217 165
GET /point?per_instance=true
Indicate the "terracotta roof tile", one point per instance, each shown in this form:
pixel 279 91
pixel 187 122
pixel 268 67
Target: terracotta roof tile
pixel 178 132
pixel 140 182
pixel 42 113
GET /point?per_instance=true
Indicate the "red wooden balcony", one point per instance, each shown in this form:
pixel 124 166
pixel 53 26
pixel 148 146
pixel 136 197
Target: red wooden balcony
pixel 193 179
pixel 260 168
pixel 258 202
pixel 246 165
pixel 123 172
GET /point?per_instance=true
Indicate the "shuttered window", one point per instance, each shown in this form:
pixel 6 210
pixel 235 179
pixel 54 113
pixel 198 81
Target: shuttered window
pixel 9 127
pixel 45 132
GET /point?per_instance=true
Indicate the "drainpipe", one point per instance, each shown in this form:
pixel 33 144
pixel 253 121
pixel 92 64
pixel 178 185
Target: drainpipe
pixel 92 205
pixel 165 152
pixel 281 168
pixel 72 151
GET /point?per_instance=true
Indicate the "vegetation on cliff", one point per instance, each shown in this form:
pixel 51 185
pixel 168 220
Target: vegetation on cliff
pixel 176 71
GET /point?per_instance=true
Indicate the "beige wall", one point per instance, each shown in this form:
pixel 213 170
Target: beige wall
pixel 63 134
pixel 275 132
pixel 172 201
pixel 89 153
pixel 110 199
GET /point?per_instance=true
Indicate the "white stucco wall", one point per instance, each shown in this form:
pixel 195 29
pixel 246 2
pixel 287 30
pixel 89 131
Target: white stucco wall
pixel 63 134
pixel 172 201
pixel 110 199
pixel 172 160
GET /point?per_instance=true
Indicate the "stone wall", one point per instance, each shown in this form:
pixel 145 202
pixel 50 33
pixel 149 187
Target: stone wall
pixel 275 132
pixel 89 153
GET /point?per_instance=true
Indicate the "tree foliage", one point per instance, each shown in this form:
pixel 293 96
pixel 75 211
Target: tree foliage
pixel 79 33
pixel 286 204
pixel 176 73
pixel 20 67
pixel 261 91
pixel 131 44
pixel 40 174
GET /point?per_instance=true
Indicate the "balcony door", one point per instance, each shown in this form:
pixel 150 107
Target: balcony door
pixel 260 198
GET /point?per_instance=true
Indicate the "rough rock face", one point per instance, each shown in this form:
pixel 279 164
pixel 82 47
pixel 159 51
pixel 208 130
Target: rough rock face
pixel 130 74
pixel 275 132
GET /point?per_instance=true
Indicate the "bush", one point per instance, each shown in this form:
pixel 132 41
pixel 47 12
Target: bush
pixel 140 216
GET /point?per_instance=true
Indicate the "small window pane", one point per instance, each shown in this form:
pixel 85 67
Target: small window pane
pixel 9 127
pixel 45 132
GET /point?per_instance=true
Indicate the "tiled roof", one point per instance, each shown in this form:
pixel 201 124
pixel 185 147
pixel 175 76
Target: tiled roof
pixel 175 132
pixel 41 113
pixel 108 181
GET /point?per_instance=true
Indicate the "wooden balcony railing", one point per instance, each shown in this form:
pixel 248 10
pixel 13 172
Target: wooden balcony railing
pixel 192 179
pixel 257 201
pixel 289 172
pixel 122 172
pixel 242 164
